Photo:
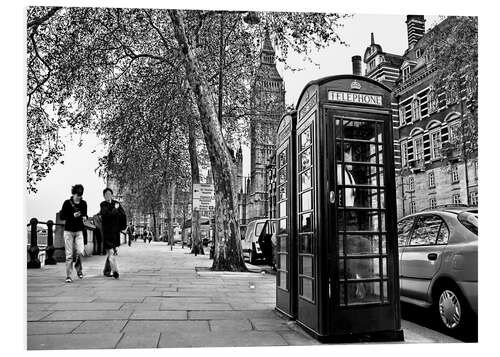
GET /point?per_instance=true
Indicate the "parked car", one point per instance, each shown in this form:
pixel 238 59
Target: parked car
pixel 438 263
pixel 252 249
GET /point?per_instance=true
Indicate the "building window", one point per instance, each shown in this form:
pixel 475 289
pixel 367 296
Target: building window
pixel 432 202
pixel 455 178
pixel 475 169
pixel 432 100
pixel 402 116
pixel 406 73
pixel 418 146
pixel 411 184
pixel 455 199
pixel 451 96
pixel 415 109
pixel 413 207
pixel 404 153
pixel 371 64
pixel 435 138
pixel 453 133
pixel 474 198
pixel 429 54
pixel 418 53
pixel 432 180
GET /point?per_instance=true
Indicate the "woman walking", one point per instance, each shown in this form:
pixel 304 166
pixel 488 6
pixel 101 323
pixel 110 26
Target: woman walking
pixel 113 221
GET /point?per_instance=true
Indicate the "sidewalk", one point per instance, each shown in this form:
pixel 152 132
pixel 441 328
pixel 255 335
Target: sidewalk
pixel 161 300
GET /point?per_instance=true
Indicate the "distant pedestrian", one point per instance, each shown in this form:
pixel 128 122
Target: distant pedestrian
pixel 113 221
pixel 130 233
pixel 74 212
pixel 97 219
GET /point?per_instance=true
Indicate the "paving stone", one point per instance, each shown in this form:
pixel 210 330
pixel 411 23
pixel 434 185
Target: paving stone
pixel 230 325
pixel 73 341
pixel 51 327
pixel 87 306
pixel 195 306
pixel 227 315
pixel 58 299
pixel 159 315
pixel 88 315
pixel 294 338
pixel 134 340
pixel 96 326
pixel 270 324
pixel 221 339
pixel 37 315
pixel 38 307
pixel 121 298
pixel 150 306
pixel 186 327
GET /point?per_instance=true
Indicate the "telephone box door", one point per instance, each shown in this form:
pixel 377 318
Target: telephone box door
pixel 361 258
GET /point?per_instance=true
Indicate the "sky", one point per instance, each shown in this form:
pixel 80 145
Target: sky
pixel 80 162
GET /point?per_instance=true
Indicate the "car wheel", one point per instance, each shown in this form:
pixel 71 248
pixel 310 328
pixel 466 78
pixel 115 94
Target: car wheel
pixel 451 308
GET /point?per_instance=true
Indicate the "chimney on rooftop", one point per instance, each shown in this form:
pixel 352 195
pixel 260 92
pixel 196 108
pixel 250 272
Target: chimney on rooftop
pixel 356 65
pixel 415 25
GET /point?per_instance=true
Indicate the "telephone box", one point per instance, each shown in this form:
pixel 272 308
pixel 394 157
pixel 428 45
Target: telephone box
pixel 286 226
pixel 341 255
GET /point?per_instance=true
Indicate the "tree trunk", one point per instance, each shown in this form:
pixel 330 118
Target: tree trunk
pixel 227 252
pixel 172 217
pixel 196 242
pixel 155 232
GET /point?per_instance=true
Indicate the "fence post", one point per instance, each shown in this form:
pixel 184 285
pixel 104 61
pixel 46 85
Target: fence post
pixel 49 260
pixel 33 250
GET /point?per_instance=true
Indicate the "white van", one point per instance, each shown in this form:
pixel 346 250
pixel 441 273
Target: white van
pixel 251 248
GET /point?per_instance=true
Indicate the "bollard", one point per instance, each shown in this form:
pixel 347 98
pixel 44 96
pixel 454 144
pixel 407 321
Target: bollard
pixel 49 260
pixel 33 250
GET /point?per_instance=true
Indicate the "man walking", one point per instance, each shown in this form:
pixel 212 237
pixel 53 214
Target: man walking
pixel 74 212
pixel 113 221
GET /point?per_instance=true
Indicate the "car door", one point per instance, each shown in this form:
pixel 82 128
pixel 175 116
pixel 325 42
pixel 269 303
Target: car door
pixel 404 231
pixel 247 242
pixel 422 256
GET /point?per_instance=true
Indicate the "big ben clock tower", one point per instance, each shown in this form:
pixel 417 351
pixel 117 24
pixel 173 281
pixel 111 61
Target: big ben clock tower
pixel 268 105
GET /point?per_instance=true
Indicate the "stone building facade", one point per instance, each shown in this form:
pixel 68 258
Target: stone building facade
pixel 428 171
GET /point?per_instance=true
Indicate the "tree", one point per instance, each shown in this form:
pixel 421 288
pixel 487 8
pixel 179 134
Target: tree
pixel 99 55
pixel 453 48
pixel 293 30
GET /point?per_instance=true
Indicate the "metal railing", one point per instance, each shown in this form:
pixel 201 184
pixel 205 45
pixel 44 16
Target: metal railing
pixel 34 250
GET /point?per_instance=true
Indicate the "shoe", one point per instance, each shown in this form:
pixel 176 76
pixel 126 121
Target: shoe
pixel 80 275
pixel 116 275
pixel 69 280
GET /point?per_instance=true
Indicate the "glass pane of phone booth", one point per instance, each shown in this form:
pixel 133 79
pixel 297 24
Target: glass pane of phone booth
pixel 361 229
pixel 282 234
pixel 305 217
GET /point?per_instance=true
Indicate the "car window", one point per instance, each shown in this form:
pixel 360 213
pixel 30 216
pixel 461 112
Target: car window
pixel 443 234
pixel 404 228
pixel 426 231
pixel 258 228
pixel 469 220
pixel 249 231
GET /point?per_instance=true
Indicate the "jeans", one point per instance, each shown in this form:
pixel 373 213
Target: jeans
pixel 73 242
pixel 110 265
